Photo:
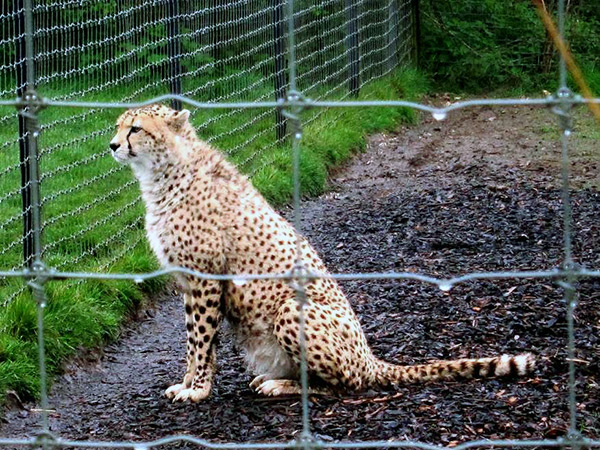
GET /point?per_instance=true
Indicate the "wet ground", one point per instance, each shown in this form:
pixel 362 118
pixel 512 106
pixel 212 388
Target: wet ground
pixel 477 192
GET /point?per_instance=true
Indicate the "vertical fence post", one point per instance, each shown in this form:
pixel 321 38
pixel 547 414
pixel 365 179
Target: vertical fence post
pixel 416 32
pixel 24 137
pixel 392 34
pixel 174 51
pixel 279 82
pixel 28 132
pixel 352 47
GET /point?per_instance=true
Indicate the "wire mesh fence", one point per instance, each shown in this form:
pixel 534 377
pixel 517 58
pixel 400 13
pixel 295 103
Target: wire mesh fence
pixel 223 60
pixel 208 50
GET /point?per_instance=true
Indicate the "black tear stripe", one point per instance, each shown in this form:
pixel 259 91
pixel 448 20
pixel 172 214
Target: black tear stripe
pixel 133 132
pixel 131 153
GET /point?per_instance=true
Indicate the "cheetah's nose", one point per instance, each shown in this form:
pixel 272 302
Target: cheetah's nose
pixel 114 146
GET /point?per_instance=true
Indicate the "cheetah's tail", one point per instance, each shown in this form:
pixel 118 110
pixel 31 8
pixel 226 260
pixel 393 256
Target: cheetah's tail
pixel 499 366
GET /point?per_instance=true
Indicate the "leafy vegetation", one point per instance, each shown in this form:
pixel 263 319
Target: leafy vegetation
pixel 489 44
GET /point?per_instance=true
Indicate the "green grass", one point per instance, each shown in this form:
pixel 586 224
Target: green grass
pixel 584 153
pixel 84 234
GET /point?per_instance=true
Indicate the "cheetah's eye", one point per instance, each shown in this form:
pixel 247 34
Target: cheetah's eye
pixel 135 129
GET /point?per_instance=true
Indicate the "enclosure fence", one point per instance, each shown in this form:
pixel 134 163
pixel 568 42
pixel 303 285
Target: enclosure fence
pixel 209 50
pixel 291 106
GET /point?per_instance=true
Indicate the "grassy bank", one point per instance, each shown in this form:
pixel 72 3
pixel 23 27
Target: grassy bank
pixel 92 213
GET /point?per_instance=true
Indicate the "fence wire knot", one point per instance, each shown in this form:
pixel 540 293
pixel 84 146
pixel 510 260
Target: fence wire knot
pixel 37 271
pixel 297 104
pixel 297 101
pixel 29 105
pixel 564 98
pixel 44 438
pixel 307 441
pixel 299 279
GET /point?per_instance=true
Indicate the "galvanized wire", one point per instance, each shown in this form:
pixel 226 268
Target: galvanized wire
pixel 437 112
pixel 380 37
pixel 55 442
pixel 444 284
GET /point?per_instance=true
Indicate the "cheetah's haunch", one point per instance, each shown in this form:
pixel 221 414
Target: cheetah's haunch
pixel 203 215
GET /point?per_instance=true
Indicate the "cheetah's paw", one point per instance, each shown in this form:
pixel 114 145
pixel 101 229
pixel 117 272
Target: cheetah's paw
pixel 193 395
pixel 171 392
pixel 274 388
pixel 258 380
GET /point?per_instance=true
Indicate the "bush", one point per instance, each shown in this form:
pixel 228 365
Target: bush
pixel 488 44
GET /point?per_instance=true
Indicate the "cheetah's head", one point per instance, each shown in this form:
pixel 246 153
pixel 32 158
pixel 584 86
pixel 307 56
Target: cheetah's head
pixel 152 136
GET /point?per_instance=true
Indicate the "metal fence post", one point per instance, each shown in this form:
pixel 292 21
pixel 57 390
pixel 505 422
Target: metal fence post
pixel 279 81
pixel 392 34
pixel 416 32
pixel 28 132
pixel 23 84
pixel 174 51
pixel 352 47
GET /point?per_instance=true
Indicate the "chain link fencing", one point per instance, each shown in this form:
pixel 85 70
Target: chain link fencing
pixel 272 66
pixel 208 50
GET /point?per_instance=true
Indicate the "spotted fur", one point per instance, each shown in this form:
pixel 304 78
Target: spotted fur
pixel 202 214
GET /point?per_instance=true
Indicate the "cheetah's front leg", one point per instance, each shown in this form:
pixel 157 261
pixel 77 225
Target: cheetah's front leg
pixel 190 372
pixel 202 320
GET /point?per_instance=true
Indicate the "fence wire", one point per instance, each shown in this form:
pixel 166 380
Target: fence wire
pixel 124 44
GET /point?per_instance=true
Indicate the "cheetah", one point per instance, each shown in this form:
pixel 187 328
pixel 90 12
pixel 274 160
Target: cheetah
pixel 203 215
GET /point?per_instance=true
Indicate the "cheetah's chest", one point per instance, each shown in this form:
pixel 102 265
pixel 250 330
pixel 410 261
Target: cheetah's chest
pixel 159 237
pixel 156 230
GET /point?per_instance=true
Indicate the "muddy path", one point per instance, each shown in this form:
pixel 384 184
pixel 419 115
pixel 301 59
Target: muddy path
pixel 476 192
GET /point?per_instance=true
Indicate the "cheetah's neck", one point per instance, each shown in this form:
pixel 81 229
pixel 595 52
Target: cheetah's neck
pixel 165 179
pixel 162 189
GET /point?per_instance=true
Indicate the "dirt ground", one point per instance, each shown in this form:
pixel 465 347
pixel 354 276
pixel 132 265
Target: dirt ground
pixel 475 192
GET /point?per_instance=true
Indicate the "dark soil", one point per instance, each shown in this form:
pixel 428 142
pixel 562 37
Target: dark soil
pixel 473 193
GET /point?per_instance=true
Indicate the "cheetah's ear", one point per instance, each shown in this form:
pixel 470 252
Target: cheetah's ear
pixel 179 118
